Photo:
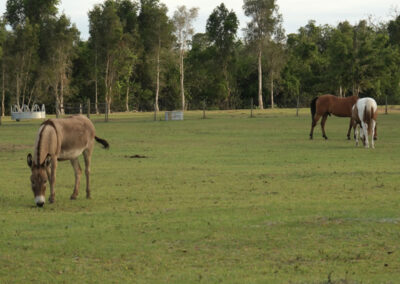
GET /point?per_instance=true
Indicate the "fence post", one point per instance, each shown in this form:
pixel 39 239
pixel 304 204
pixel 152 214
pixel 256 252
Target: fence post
pixel 57 110
pixel 297 107
pixel 106 114
pixel 88 108
pixel 386 106
pixel 155 113
pixel 1 114
pixel 204 109
pixel 80 108
pixel 251 106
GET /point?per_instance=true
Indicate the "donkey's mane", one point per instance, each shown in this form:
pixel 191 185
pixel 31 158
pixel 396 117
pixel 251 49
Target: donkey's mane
pixel 44 124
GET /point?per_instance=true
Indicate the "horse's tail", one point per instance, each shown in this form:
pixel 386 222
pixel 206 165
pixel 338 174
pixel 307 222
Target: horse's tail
pixel 368 112
pixel 313 107
pixel 102 142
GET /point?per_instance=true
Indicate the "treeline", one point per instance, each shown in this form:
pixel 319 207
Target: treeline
pixel 137 58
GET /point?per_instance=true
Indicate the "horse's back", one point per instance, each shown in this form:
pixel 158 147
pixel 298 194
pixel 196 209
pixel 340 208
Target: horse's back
pixel 331 104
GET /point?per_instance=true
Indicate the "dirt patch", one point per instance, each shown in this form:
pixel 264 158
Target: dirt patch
pixel 13 147
pixel 136 157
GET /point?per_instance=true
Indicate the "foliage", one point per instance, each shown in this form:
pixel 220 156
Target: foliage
pixel 135 64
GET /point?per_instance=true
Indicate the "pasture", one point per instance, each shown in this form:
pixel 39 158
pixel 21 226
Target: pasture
pixel 227 199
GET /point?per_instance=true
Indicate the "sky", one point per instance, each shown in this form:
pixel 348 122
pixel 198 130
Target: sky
pixel 296 13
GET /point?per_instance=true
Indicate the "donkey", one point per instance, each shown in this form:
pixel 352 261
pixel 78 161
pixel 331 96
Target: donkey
pixel 364 114
pixel 59 140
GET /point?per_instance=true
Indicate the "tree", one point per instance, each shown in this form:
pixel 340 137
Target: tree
pixel 221 29
pixel 275 57
pixel 22 61
pixel 183 19
pixel 264 18
pixel 112 46
pixel 156 32
pixel 58 46
pixel 3 36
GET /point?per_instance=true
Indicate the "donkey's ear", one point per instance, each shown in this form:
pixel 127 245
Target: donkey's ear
pixel 29 160
pixel 47 162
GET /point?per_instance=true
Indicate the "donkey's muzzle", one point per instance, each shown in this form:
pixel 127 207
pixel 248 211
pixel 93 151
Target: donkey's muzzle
pixel 39 200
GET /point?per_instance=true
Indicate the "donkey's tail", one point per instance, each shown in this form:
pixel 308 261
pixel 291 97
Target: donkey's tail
pixel 102 142
pixel 313 107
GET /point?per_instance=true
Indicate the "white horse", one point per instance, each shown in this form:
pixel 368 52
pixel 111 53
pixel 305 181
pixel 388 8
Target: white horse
pixel 364 114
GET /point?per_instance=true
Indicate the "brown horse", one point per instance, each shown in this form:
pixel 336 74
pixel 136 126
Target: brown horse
pixel 329 104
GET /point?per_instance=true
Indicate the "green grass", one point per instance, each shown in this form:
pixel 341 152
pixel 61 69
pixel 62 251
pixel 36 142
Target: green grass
pixel 227 199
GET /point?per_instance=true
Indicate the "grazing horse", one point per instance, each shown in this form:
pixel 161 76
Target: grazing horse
pixel 59 140
pixel 329 104
pixel 365 113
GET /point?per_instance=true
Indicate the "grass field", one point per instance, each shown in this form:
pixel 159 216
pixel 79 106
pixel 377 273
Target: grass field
pixel 227 199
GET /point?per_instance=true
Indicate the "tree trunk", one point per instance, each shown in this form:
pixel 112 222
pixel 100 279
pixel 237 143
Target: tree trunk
pixel 228 87
pixel 62 111
pixel 260 98
pixel 3 91
pixel 127 97
pixel 158 76
pixel 96 85
pixel 182 79
pixel 272 89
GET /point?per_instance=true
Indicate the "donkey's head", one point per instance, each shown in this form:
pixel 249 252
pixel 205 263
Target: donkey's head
pixel 39 178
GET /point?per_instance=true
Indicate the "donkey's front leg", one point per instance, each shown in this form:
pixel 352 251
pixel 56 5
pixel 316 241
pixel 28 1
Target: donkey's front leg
pixel 52 180
pixel 78 173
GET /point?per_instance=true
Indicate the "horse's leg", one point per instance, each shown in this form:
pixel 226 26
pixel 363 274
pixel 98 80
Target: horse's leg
pixel 87 155
pixel 356 133
pixel 350 127
pixel 313 124
pixel 78 173
pixel 324 118
pixel 53 179
pixel 365 130
pixel 373 134
pixel 376 131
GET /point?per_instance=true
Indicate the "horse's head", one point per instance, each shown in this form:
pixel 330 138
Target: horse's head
pixel 39 178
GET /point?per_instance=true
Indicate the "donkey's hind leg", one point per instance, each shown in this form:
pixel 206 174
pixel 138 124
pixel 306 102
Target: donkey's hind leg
pixel 87 155
pixel 78 173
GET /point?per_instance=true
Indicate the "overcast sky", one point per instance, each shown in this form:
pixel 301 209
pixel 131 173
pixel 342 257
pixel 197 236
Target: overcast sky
pixel 296 13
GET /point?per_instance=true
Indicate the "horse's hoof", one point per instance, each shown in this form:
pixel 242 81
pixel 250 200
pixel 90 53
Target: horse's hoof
pixel 73 197
pixel 326 138
pixel 375 138
pixel 51 200
pixel 88 197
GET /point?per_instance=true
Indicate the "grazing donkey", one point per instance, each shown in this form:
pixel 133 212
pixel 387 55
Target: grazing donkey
pixel 59 140
pixel 365 113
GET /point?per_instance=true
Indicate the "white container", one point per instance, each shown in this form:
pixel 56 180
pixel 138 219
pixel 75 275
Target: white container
pixel 174 115
pixel 25 113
